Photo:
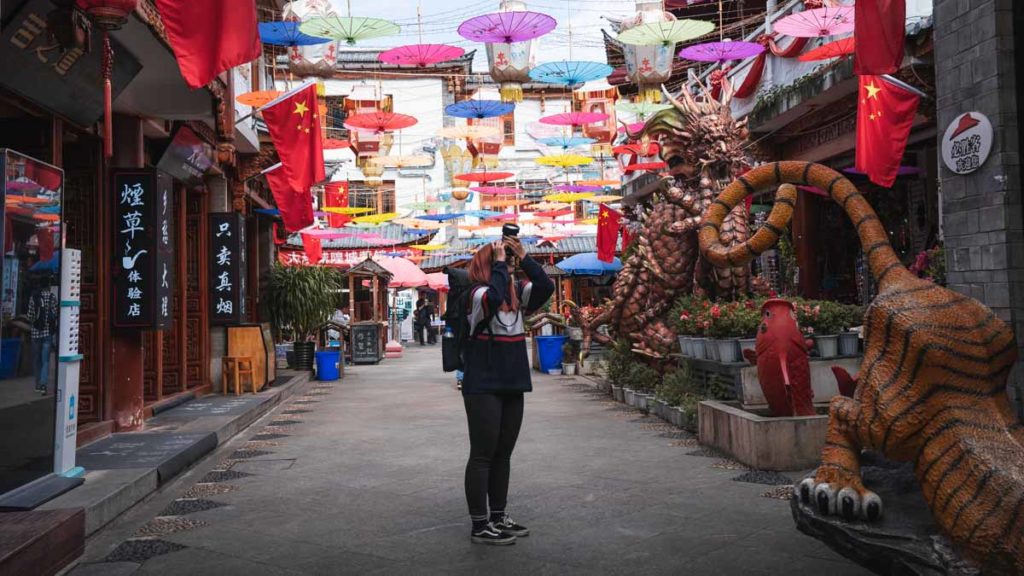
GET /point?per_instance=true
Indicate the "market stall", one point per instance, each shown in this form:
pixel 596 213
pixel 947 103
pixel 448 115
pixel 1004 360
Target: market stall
pixel 367 307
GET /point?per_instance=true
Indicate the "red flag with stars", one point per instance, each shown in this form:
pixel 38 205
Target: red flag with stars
pixel 607 233
pixel 210 37
pixel 880 27
pixel 294 126
pixel 296 207
pixel 885 115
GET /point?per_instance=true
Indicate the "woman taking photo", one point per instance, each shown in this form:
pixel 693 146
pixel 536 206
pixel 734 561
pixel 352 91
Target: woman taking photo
pixel 497 373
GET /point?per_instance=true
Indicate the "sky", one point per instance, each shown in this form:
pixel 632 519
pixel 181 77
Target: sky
pixel 441 18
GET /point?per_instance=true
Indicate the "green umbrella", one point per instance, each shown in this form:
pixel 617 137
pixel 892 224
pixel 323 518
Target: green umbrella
pixel 641 109
pixel 663 33
pixel 424 205
pixel 348 28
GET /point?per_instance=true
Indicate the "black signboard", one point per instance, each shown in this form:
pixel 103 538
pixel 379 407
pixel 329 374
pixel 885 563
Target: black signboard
pixel 187 157
pixel 143 264
pixel 227 268
pixel 35 66
pixel 366 343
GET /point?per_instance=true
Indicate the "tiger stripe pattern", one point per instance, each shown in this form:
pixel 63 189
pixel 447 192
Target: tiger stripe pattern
pixel 931 389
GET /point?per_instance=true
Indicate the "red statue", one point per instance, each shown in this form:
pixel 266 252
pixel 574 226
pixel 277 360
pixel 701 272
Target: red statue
pixel 781 357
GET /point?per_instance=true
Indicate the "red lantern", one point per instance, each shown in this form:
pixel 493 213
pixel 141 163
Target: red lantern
pixel 108 15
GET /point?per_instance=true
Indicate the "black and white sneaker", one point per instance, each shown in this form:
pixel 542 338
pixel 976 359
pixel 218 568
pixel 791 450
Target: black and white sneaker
pixel 509 526
pixel 492 536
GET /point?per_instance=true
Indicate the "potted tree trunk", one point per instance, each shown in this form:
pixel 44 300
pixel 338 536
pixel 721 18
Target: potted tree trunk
pixel 827 326
pixel 568 359
pixel 849 340
pixel 302 298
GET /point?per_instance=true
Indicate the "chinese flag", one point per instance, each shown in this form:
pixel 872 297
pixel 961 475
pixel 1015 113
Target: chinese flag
pixel 294 126
pixel 885 115
pixel 210 37
pixel 879 27
pixel 314 251
pixel 336 196
pixel 626 238
pixel 607 233
pixel 296 207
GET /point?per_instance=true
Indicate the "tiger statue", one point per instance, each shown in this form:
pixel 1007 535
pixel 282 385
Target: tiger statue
pixel 931 389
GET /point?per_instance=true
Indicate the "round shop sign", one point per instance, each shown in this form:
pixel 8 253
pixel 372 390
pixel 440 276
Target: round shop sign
pixel 967 142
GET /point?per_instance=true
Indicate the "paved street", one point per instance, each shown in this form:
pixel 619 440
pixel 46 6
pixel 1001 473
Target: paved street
pixel 365 476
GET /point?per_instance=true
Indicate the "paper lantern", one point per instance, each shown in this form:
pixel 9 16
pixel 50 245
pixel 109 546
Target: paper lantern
pixel 461 194
pixel 108 14
pixel 510 63
pixel 648 66
pixel 316 59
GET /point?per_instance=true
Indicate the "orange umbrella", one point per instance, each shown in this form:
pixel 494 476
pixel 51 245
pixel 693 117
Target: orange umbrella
pixel 258 98
pixel 599 183
pixel 830 50
pixel 17 198
pixel 503 203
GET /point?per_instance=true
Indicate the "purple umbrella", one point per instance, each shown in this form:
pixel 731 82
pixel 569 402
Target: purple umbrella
pixel 507 27
pixel 903 171
pixel 577 188
pixel 721 51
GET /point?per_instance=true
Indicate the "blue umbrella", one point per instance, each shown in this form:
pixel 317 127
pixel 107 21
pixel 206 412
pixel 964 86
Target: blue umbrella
pixel 441 217
pixel 587 264
pixel 268 211
pixel 51 265
pixel 482 213
pixel 566 141
pixel 479 109
pixel 570 72
pixel 287 34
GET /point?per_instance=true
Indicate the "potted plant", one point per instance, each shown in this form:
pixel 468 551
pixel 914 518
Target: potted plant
pixel 747 322
pixel 685 325
pixel 701 323
pixel 568 359
pixel 302 298
pixel 849 341
pixel 827 326
pixel 725 331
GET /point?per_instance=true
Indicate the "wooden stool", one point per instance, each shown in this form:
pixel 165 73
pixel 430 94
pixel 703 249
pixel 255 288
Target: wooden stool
pixel 235 368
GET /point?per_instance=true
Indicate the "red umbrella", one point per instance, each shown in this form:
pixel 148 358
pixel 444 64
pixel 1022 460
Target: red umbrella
pixel 553 213
pixel 827 21
pixel 574 118
pixel 335 144
pixel 504 217
pixel 379 122
pixel 637 149
pixel 483 176
pixel 644 166
pixel 830 50
pixel 496 190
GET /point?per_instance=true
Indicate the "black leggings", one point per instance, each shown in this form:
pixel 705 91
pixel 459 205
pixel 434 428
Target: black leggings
pixel 494 421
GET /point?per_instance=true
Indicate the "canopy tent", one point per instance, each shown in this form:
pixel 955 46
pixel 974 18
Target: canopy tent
pixel 587 264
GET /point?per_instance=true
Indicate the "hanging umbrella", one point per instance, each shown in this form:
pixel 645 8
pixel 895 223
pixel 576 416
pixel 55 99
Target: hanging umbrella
pixel 641 109
pixel 587 221
pixel 402 160
pixel 721 51
pixel 505 217
pixel 827 21
pixel 507 27
pixel 472 131
pixel 379 122
pixel 287 34
pixel 428 247
pixel 566 141
pixel 437 281
pixel 554 213
pixel 496 190
pixel 503 203
pixel 375 218
pixel 602 183
pixel 483 176
pixel 633 128
pixel 404 273
pixel 258 99
pixel 644 166
pixel 336 144
pixel 419 225
pixel 901 171
pixel 420 55
pixel 441 217
pixel 570 73
pixel 348 28
pixel 574 118
pixel 482 213
pixel 577 188
pixel 569 197
pixel 268 211
pixel 347 210
pixel 604 198
pixel 638 149
pixel 830 50
pixel 479 109
pixel 541 206
pixel 423 205
pixel 665 33
pixel 564 160
pixel 587 264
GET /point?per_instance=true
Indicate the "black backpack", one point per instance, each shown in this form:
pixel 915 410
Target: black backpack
pixel 456 319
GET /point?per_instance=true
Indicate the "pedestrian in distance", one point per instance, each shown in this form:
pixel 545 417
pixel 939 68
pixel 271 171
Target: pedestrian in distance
pixel 417 326
pixel 496 375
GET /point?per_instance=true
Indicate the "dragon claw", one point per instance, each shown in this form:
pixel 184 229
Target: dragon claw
pixel 851 502
pixel 825 498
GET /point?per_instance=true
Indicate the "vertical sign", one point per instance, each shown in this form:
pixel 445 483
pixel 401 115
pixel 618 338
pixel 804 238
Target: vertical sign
pixel 227 268
pixel 143 249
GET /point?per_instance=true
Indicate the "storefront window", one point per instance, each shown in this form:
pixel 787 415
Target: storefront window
pixel 29 315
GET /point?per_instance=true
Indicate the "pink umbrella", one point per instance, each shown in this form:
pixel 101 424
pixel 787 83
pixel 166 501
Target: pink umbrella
pixel 577 188
pixel 504 217
pixel 633 128
pixel 437 281
pixel 574 118
pixel 507 27
pixel 404 274
pixel 421 55
pixel 827 21
pixel 329 234
pixel 721 51
pixel 496 190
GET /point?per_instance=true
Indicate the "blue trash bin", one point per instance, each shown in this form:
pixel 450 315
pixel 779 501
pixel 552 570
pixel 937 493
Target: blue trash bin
pixel 10 353
pixel 327 365
pixel 549 349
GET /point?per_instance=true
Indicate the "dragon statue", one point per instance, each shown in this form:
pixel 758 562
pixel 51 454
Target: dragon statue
pixel 931 389
pixel 705 148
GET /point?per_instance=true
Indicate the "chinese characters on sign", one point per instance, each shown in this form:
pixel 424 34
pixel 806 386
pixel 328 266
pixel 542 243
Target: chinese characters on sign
pixel 227 268
pixel 143 249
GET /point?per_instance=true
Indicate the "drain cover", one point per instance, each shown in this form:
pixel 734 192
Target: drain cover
pixel 258 466
pixel 243 454
pixel 141 549
pixel 222 476
pixel 183 506
pixel 766 477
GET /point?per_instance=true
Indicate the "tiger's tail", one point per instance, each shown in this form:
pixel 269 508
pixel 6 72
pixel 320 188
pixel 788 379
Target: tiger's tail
pixel 885 265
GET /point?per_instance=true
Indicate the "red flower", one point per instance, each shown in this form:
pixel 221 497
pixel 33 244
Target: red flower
pixel 716 312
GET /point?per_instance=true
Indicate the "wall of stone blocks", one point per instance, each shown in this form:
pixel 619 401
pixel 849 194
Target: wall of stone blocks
pixel 983 213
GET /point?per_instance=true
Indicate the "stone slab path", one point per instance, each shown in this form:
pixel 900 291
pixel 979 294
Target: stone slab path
pixel 364 476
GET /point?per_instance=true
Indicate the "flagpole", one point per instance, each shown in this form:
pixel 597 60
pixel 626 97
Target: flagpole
pixel 900 83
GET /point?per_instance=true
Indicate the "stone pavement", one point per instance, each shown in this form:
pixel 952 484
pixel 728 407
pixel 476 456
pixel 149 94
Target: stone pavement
pixel 365 476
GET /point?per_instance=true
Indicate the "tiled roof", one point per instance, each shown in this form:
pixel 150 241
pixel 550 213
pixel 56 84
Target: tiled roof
pixel 563 247
pixel 400 234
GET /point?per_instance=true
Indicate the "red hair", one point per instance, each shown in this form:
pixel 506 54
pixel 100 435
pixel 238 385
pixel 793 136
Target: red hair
pixel 480 273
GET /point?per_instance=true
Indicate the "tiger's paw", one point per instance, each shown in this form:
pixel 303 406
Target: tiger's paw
pixel 849 501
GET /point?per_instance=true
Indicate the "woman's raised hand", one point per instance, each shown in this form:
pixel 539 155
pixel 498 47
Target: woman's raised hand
pixel 498 249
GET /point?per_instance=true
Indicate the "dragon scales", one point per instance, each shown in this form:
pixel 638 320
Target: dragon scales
pixel 705 147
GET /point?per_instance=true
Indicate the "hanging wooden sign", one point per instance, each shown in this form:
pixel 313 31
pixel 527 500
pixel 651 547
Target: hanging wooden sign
pixel 227 268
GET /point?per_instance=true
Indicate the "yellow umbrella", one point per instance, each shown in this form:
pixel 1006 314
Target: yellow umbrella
pixel 503 203
pixel 348 210
pixel 604 198
pixel 401 160
pixel 420 224
pixel 467 131
pixel 376 218
pixel 548 206
pixel 428 247
pixel 569 197
pixel 587 221
pixel 564 160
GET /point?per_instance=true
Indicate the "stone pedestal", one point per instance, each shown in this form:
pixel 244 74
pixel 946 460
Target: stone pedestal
pixel 761 441
pixel 823 382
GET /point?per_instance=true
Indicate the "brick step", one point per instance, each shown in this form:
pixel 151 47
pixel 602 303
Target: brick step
pixel 40 542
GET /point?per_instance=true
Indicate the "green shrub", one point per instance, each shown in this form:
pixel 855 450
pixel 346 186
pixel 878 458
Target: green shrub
pixel 641 377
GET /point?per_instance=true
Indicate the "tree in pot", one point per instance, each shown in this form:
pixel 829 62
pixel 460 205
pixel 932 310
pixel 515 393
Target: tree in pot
pixel 302 299
pixel 849 341
pixel 827 326
pixel 569 358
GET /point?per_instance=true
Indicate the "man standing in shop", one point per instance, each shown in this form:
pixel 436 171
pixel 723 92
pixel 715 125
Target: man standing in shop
pixel 42 316
pixel 425 316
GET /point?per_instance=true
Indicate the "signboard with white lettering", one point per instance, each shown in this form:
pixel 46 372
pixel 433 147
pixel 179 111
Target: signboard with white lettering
pixel 967 142
pixel 143 264
pixel 64 80
pixel 187 157
pixel 227 268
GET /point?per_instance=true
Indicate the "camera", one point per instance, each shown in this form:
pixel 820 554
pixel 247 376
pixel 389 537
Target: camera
pixel 509 230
